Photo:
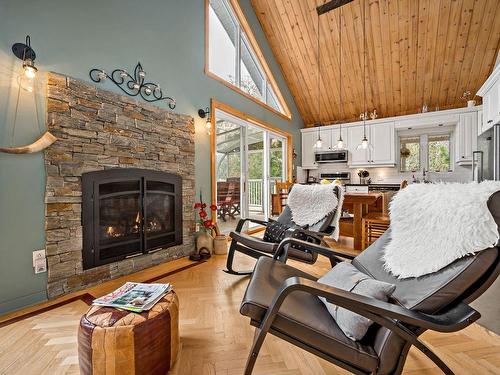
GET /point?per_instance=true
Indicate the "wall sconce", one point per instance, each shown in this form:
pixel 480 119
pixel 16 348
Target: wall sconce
pixel 206 113
pixel 24 52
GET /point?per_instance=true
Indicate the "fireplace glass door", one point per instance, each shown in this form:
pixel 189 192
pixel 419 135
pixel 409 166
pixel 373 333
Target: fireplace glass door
pixel 129 212
pixel 159 225
pixel 120 218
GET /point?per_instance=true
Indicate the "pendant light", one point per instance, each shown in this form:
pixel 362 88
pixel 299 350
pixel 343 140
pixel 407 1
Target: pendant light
pixel 365 144
pixel 340 141
pixel 319 142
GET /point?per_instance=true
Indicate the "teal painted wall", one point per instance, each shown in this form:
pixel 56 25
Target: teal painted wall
pixel 71 37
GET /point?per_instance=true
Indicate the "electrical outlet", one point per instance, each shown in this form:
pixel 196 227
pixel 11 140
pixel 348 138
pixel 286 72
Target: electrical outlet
pixel 39 261
pixel 38 254
pixel 197 227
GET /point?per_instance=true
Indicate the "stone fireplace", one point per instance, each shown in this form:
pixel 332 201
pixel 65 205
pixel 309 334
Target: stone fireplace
pixel 129 164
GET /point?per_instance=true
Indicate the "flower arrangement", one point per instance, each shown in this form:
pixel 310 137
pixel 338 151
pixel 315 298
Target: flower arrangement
pixel 206 223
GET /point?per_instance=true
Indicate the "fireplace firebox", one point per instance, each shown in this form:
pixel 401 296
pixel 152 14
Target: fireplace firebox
pixel 129 212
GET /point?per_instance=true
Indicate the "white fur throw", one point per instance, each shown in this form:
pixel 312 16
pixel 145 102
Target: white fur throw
pixel 432 225
pixel 311 203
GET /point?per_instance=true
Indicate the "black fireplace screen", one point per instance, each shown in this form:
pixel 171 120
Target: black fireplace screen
pixel 128 212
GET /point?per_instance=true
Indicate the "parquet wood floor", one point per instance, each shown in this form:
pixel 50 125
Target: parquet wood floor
pixel 215 338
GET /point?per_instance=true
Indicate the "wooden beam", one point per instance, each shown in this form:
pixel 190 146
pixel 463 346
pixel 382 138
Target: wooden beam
pixel 334 4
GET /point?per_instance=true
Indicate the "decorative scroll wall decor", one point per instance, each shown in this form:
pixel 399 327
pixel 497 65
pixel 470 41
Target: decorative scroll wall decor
pixel 133 85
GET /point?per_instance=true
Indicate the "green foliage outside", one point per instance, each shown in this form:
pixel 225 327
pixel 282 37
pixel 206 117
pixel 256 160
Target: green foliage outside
pixel 439 156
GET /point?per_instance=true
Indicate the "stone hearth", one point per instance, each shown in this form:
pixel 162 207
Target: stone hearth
pixel 96 130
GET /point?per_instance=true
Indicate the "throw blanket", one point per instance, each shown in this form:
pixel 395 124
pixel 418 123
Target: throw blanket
pixel 432 225
pixel 311 203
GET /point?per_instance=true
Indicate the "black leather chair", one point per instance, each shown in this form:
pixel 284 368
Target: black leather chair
pixel 284 301
pixel 257 247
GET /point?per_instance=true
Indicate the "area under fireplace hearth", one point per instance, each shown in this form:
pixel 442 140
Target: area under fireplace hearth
pixel 129 212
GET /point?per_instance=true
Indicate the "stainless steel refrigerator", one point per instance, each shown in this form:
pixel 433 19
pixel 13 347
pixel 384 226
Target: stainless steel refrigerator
pixel 486 160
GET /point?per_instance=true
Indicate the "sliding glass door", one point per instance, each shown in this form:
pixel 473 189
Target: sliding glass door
pixel 249 160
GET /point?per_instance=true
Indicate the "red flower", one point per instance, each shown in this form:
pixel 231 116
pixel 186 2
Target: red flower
pixel 203 214
pixel 203 205
pixel 213 207
pixel 197 205
pixel 208 224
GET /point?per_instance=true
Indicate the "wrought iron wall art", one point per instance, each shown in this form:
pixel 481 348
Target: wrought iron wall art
pixel 133 85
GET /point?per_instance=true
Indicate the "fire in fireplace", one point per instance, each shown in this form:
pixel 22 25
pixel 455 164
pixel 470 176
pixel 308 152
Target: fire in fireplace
pixel 129 212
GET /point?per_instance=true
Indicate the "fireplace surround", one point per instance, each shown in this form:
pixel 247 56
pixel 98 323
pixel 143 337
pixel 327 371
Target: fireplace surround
pixel 129 212
pixel 101 131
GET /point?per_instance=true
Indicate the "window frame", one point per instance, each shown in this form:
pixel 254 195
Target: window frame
pixel 424 134
pixel 244 32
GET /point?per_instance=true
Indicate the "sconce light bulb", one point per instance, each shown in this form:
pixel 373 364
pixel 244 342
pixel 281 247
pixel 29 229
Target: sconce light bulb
pixel 208 125
pixel 102 76
pixel 157 90
pixel 142 73
pixel 29 72
pixel 123 74
pixel 147 90
pixel 136 86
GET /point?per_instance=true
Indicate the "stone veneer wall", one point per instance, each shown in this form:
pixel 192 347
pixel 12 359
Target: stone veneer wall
pixel 98 129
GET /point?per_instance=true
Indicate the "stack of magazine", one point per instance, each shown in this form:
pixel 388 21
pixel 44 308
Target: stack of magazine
pixel 136 297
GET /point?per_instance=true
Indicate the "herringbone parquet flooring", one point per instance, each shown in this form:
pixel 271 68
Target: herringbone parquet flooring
pixel 215 338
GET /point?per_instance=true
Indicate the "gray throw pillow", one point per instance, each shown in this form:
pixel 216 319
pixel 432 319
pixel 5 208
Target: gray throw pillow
pixel 347 277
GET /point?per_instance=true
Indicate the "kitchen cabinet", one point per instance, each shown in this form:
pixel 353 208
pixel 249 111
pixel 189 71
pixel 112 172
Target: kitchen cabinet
pixel 382 138
pixel 383 142
pixel 361 157
pixel 490 92
pixel 479 122
pixel 466 138
pixel 308 141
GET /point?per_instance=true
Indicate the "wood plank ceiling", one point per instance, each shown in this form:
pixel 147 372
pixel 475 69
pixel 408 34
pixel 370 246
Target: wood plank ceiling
pixel 418 51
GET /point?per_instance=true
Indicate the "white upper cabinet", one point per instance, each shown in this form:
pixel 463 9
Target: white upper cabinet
pixel 382 138
pixel 466 138
pixel 361 157
pixel 308 141
pixel 490 92
pixel 326 139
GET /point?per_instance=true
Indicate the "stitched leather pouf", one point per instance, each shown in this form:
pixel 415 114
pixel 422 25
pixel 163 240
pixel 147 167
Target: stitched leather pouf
pixel 118 342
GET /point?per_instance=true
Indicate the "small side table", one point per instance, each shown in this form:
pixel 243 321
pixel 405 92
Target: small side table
pixel 119 342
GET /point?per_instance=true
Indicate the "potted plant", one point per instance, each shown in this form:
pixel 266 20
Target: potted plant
pixel 204 238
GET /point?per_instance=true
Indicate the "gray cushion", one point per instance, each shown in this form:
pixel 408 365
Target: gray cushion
pixel 302 315
pixel 429 293
pixel 346 277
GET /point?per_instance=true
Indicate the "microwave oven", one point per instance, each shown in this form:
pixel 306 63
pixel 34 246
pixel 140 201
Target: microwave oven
pixel 336 156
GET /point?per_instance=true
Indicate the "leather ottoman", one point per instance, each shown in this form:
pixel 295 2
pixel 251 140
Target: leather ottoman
pixel 118 342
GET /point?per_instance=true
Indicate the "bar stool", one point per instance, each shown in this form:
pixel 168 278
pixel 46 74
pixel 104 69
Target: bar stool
pixel 376 223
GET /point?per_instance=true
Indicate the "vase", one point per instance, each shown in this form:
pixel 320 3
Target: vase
pixel 204 241
pixel 220 245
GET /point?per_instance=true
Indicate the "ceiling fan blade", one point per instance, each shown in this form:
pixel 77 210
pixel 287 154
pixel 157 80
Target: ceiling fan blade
pixel 331 5
pixel 40 144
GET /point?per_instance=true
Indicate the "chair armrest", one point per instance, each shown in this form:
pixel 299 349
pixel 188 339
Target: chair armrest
pixel 241 222
pixel 383 313
pixel 282 251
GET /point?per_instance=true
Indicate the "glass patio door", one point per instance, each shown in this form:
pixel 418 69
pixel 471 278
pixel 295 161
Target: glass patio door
pixel 249 160
pixel 277 172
